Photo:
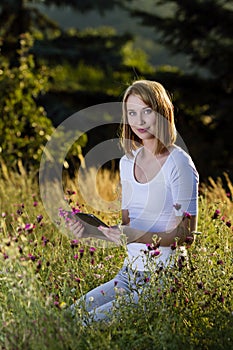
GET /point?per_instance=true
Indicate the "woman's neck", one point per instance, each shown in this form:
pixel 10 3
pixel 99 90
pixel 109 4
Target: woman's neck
pixel 150 145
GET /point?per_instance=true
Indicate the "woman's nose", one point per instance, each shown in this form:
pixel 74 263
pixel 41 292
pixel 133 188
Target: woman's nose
pixel 140 119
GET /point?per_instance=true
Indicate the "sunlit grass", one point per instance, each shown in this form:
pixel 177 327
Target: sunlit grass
pixel 43 271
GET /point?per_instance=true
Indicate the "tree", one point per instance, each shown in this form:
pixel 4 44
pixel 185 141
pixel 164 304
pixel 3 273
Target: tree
pixel 24 126
pixel 82 67
pixel 202 30
pixel 95 52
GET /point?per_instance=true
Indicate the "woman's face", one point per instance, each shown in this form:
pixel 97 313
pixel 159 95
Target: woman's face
pixel 141 118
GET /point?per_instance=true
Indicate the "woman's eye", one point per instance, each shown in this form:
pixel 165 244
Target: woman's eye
pixel 147 111
pixel 131 113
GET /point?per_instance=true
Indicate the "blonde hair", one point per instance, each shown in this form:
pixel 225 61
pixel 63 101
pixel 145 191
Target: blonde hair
pixel 154 95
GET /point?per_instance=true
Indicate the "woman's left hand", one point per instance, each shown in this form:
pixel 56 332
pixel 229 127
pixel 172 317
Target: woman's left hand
pixel 112 233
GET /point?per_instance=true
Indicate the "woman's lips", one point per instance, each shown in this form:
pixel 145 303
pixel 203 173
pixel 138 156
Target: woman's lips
pixel 142 130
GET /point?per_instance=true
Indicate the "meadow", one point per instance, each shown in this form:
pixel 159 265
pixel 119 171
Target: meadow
pixel 43 271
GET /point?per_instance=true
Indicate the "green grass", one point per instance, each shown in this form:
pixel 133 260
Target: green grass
pixel 42 272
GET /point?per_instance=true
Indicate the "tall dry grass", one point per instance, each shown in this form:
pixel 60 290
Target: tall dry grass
pixel 219 193
pixel 96 191
pixel 42 272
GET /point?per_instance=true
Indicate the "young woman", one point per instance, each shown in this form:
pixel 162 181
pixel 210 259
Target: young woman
pixel 159 194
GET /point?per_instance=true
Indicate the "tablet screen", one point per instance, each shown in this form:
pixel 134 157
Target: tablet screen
pixel 90 219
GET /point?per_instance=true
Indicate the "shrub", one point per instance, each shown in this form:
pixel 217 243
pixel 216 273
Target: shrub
pixel 24 126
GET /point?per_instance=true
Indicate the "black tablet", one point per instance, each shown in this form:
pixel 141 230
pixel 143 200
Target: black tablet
pixel 89 219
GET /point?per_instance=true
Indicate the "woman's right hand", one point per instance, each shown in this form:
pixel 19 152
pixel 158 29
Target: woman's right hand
pixel 76 228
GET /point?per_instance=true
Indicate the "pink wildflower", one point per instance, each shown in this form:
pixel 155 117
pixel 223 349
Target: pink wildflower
pixel 39 218
pixel 92 250
pixel 155 253
pixel 29 227
pixel 216 214
pixel 70 192
pixel 81 251
pixel 187 215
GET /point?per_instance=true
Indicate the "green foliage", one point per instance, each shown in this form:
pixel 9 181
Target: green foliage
pixel 207 40
pixel 204 98
pixel 43 271
pixel 85 68
pixel 24 126
pixel 83 72
pixel 93 66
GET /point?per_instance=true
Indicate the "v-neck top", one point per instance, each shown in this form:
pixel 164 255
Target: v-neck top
pixel 134 166
pixel 154 206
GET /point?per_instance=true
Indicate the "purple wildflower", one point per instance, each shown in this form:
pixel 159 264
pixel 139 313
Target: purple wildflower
pixel 221 299
pixel 92 250
pixel 62 213
pixel 39 218
pixel 56 303
pixel 155 252
pixel 70 192
pixel 31 257
pixel 216 214
pixel 74 243
pixel 45 240
pixel 187 215
pixel 81 251
pixel 220 262
pixel 228 223
pixel 38 266
pixel 189 239
pixel 149 246
pixel 181 259
pixel 75 211
pixel 29 227
pixel 173 246
pixel 153 246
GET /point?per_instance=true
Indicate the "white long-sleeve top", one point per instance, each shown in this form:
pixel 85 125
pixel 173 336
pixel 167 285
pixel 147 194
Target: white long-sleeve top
pixel 155 205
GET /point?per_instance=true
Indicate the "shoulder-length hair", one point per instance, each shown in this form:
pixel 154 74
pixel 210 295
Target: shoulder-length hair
pixel 154 95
